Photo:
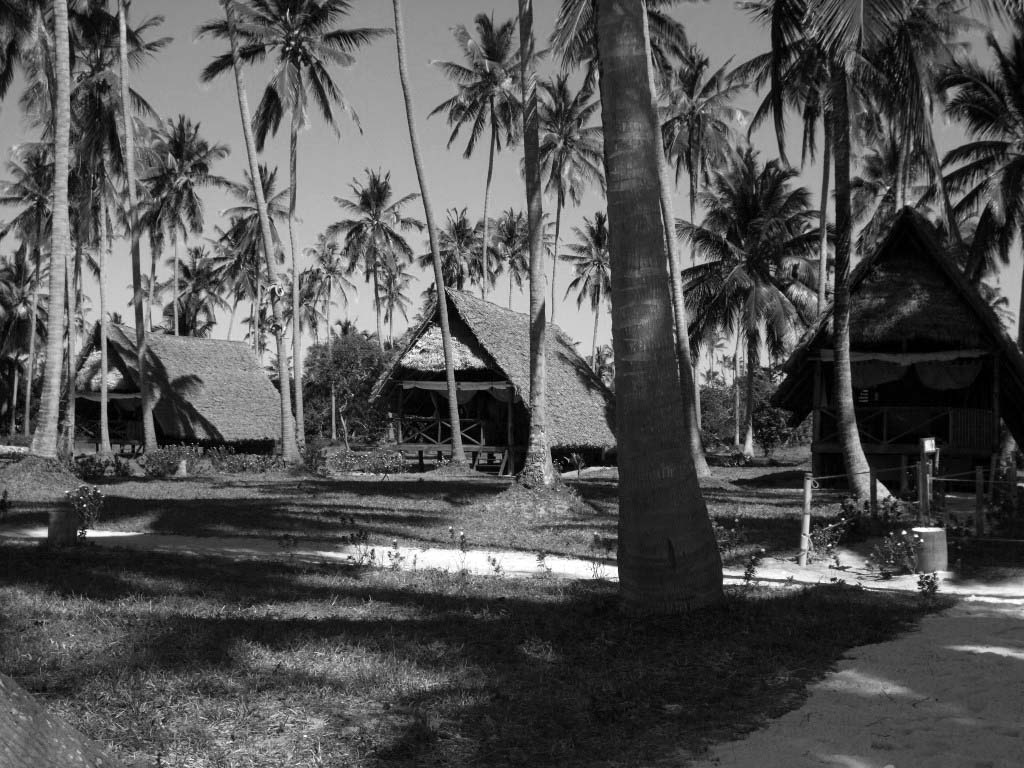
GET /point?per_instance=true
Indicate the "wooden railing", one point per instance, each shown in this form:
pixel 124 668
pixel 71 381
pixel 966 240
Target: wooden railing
pixel 432 431
pixel 897 425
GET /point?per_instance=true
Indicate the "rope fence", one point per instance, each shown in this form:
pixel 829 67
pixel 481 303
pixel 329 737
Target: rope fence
pixel 929 487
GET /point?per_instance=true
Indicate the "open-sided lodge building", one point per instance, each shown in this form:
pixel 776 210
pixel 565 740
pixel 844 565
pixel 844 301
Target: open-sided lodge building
pixel 207 391
pixel 929 359
pixel 492 362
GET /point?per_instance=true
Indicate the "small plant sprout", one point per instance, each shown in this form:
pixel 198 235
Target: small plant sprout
pixel 750 571
pixel 542 563
pixel 87 501
pixel 928 585
pixel 495 565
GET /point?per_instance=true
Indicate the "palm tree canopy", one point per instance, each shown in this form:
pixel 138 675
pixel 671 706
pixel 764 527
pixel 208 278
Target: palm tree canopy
pixel 487 83
pixel 759 242
pixel 510 247
pixel 571 151
pixel 458 241
pixel 590 259
pixel 304 38
pixel 198 293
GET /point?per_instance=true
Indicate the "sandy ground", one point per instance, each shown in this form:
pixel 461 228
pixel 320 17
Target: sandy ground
pixel 947 695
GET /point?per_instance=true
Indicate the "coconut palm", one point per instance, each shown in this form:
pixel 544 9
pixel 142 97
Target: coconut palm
pixel 289 443
pixel 590 262
pixel 758 233
pixel 458 240
pixel 487 98
pixel 373 239
pixel 699 122
pixel 196 290
pixel 30 188
pixel 44 441
pixel 668 559
pixel 305 38
pixel 512 249
pixel 987 171
pixel 327 273
pixel 394 296
pixel 181 165
pixel 22 317
pixel 570 150
pixel 458 456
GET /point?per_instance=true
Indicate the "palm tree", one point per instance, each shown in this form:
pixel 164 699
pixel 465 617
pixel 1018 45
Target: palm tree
pixel 458 241
pixel 668 559
pixel 196 291
pixel 373 237
pixel 327 273
pixel 305 37
pixel 458 456
pixel 31 188
pixel 181 165
pixel 988 170
pixel 511 247
pixel 394 296
pixel 44 442
pixel 22 317
pixel 289 444
pixel 537 468
pixel 590 262
pixel 486 97
pixel 570 150
pixel 758 233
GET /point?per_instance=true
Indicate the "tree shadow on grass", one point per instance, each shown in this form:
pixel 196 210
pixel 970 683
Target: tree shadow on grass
pixel 496 672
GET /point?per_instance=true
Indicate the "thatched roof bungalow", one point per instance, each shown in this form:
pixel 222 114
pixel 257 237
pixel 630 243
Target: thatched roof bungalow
pixel 492 360
pixel 929 359
pixel 208 391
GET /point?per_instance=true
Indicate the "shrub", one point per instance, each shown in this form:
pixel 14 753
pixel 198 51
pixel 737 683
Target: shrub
pixel 87 501
pixel 94 467
pixel 377 461
pixel 896 553
pixel 163 462
pixel 226 461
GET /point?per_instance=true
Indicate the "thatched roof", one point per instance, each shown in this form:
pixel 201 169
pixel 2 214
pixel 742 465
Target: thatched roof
pixel 579 405
pixel 908 297
pixel 207 389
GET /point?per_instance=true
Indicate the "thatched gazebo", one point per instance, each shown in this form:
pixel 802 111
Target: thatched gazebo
pixel 929 359
pixel 208 391
pixel 492 361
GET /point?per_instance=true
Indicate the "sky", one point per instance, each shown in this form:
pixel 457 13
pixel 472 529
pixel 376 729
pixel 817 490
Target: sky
pixel 329 162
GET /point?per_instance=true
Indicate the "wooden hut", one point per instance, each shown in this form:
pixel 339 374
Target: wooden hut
pixel 207 391
pixel 492 362
pixel 929 359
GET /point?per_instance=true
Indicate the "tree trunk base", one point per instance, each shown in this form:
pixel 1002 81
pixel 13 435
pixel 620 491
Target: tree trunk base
pixel 62 530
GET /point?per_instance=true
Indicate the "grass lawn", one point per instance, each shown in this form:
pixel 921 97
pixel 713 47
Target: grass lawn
pixel 205 662
pixel 419 509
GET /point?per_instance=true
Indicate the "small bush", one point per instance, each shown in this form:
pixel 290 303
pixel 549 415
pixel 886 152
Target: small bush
pixel 87 501
pixel 896 553
pixel 729 539
pixel 377 461
pixel 163 462
pixel 92 467
pixel 226 461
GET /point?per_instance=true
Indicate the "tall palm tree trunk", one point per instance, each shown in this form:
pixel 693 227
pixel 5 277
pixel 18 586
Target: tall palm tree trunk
pixel 231 318
pixel 13 403
pixel 73 298
pixel 44 441
pixel 684 361
pixel 458 454
pixel 849 437
pixel 668 558
pixel 330 357
pixel 823 215
pixel 104 258
pixel 696 360
pixel 753 358
pixel 537 469
pixel 484 255
pixel 142 313
pixel 33 321
pixel 597 318
pixel 554 254
pixel 293 176
pixel 737 415
pixel 152 292
pixel 289 447
pixel 174 290
pixel 376 308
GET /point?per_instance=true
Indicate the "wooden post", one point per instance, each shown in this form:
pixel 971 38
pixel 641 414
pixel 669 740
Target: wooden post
pixel 805 523
pixel 979 501
pixel 873 492
pixel 993 465
pixel 1013 485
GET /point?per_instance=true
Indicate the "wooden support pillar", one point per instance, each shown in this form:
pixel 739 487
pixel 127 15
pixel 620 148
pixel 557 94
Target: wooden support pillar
pixel 805 523
pixel 979 501
pixel 816 404
pixel 873 492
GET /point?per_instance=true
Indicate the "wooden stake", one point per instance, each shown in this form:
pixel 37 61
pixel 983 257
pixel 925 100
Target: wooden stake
pixel 805 524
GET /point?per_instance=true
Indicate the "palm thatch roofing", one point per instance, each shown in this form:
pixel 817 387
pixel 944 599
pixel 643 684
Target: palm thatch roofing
pixel 206 389
pixel 494 342
pixel 908 297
